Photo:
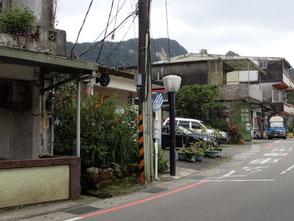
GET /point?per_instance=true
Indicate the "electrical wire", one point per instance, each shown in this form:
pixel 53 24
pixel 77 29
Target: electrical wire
pixel 109 34
pixel 107 25
pixel 120 41
pixel 84 21
pixel 167 30
pixel 115 21
pixel 100 42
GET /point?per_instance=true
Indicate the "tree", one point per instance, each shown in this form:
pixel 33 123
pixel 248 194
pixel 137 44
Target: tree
pixel 197 101
pixel 290 97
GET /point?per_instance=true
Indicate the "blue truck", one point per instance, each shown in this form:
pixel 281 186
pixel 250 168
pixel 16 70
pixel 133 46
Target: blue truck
pixel 276 128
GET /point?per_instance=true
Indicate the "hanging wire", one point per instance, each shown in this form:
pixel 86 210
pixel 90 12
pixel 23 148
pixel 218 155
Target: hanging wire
pixel 115 20
pixel 120 41
pixel 84 21
pixel 100 42
pixel 168 40
pixel 97 44
pixel 167 30
pixel 107 25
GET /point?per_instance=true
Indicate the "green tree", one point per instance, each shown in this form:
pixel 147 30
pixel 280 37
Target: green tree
pixel 290 97
pixel 197 101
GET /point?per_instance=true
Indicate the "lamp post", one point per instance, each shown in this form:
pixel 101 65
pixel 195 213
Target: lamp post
pixel 172 84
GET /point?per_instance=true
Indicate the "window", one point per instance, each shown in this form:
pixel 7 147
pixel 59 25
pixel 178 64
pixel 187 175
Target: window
pixel 184 123
pixel 263 64
pixel 196 125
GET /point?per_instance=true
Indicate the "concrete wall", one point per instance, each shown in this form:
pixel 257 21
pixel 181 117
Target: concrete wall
pixel 267 90
pixel 255 92
pixel 50 40
pixel 215 74
pixel 235 92
pixel 190 72
pixel 20 130
pixel 42 9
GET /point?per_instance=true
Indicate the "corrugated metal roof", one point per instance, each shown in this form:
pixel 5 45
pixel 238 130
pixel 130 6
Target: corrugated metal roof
pixel 243 65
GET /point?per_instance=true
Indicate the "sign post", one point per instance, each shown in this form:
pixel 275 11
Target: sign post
pixel 156 107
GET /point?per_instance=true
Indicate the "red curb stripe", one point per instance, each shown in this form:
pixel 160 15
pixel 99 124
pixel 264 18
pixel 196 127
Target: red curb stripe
pixel 268 146
pixel 142 201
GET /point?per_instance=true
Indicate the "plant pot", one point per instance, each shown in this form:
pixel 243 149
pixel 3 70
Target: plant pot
pixel 211 154
pixel 182 156
pixel 191 157
pixel 219 152
pixel 199 157
pixel 242 141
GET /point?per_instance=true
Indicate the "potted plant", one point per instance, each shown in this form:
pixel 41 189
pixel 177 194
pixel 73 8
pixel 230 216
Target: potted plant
pixel 182 154
pixel 200 155
pixel 191 153
pixel 211 153
pixel 219 151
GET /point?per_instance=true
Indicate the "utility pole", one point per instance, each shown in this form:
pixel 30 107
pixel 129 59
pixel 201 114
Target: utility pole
pixel 145 104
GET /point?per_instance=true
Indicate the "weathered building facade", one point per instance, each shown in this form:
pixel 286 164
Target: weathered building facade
pixel 221 71
pixel 260 82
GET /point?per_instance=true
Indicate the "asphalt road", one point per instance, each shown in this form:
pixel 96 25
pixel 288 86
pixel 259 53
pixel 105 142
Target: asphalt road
pixel 255 185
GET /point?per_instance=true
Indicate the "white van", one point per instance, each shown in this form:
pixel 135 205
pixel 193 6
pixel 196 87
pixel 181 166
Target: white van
pixel 199 127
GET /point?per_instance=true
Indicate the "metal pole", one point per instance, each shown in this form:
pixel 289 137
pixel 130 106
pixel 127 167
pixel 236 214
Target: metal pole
pixel 78 118
pixel 52 124
pixel 171 98
pixel 156 149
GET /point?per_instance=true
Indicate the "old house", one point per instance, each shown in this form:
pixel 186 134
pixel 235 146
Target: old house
pixel 28 68
pixel 205 69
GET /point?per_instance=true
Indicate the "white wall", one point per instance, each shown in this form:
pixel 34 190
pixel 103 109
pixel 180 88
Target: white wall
pixel 245 76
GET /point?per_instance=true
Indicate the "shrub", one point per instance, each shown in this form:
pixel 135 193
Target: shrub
pixel 17 20
pixel 108 132
pixel 235 132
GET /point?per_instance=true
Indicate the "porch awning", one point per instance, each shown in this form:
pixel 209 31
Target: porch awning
pixel 49 63
pixel 242 64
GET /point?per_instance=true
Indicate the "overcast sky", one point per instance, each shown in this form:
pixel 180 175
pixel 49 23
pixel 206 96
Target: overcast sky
pixel 247 27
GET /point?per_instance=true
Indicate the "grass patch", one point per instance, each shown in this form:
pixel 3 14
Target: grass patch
pixel 119 187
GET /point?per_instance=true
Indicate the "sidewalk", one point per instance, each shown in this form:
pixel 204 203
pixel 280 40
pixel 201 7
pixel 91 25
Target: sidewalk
pixel 231 155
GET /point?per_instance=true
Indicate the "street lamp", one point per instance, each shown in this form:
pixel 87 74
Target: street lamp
pixel 172 84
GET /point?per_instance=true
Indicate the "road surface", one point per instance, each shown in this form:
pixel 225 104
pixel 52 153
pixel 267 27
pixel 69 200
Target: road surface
pixel 256 185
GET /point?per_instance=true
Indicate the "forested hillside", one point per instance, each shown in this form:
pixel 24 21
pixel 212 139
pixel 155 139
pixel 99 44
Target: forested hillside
pixel 125 53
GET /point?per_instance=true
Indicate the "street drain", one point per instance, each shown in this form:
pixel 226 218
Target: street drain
pixel 155 190
pixel 82 210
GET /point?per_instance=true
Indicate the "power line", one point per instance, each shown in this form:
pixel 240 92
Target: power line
pixel 121 40
pixel 167 30
pixel 81 27
pixel 107 25
pixel 100 42
pixel 97 44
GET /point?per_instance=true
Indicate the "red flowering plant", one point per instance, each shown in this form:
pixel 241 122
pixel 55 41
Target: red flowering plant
pixel 235 132
pixel 107 135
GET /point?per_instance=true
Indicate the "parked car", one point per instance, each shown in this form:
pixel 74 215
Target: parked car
pixel 184 136
pixel 200 127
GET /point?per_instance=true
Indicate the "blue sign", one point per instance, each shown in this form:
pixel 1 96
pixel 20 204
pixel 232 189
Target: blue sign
pixel 157 102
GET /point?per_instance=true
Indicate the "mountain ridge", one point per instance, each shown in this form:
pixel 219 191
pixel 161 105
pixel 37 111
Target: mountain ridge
pixel 125 53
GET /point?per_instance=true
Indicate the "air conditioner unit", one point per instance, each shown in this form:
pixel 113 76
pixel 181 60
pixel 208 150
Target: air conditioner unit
pixel 263 64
